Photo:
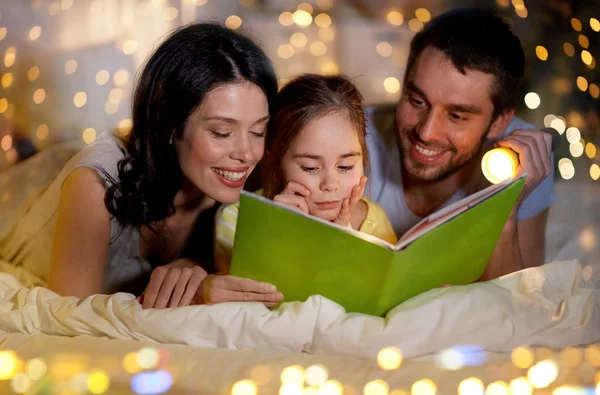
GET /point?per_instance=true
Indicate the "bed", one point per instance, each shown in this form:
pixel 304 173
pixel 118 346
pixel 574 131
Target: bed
pixel 544 322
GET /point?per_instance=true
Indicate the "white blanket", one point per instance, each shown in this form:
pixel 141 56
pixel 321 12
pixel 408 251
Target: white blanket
pixel 555 305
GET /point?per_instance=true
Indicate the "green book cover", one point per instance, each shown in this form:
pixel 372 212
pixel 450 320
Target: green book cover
pixel 303 255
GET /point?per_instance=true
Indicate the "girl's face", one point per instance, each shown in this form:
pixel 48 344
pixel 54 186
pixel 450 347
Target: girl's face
pixel 223 140
pixel 327 158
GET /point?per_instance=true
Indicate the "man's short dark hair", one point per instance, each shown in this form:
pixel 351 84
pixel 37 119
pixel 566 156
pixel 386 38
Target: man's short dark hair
pixel 475 39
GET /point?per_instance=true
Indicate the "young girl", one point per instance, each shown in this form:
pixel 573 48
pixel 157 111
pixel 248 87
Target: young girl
pixel 315 161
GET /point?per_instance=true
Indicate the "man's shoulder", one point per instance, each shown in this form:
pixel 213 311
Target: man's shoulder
pixel 516 123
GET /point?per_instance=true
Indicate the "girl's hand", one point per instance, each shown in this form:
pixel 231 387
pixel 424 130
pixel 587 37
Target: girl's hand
pixel 294 195
pixel 349 204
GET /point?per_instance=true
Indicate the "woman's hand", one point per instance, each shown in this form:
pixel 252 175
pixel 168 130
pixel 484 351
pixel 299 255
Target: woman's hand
pixel 294 195
pixel 220 288
pixel 349 204
pixel 173 285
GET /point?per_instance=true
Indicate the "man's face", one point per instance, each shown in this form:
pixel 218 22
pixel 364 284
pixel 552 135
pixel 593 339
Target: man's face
pixel 443 116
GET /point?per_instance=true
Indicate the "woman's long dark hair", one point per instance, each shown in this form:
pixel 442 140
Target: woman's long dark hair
pixel 186 66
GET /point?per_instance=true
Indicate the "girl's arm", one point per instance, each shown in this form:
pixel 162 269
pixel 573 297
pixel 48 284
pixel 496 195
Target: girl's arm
pixel 81 237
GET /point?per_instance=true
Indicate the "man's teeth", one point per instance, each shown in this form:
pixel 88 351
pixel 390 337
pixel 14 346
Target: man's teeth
pixel 231 175
pixel 426 152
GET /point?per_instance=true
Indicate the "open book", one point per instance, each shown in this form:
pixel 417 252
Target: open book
pixel 303 255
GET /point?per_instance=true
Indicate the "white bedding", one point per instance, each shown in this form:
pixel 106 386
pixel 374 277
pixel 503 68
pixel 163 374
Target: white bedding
pixel 555 305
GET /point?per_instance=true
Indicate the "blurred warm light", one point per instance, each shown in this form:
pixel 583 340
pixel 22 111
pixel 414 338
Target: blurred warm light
pixel 573 135
pixel 575 119
pixel 329 67
pixel 541 52
pixel 595 24
pixel 33 73
pixel 291 389
pixel 559 125
pixel 424 387
pixel 391 85
pixel 158 3
pixel 293 374
pixel 583 41
pixel 71 66
pixel 39 95
pixel 42 132
pixel 586 57
pixel 246 3
pixel 98 382
pixel 8 362
pixel 54 8
pixel 548 119
pixel 2 33
pixel 522 12
pixel 522 357
pixel 592 356
pixel 518 4
pixel 170 14
pixel 36 368
pixel 325 4
pixel 244 387
pixel 130 47
pixel 10 111
pixel 332 387
pixel 497 388
pixel 115 95
pixel 451 359
pixel 316 375
pixel 389 358
pixel 233 22
pixel 566 168
pixel 595 172
pixel 532 100
pixel 384 49
pixel 286 18
pixel 415 25
pixel 80 99
pixel 35 33
pixel 520 386
pixel 3 105
pixel 582 83
pixel 9 56
pixel 470 386
pixel 423 15
pixel 318 48
pixel 590 150
pixel 594 91
pixel 376 387
pixel 569 49
pixel 66 4
pixel 127 18
pixel 130 363
pixel 6 143
pixel 147 357
pixel 503 3
pixel 285 51
pixel 323 20
pixel 111 108
pixel 302 18
pixel 305 7
pixel 21 383
pixel 7 80
pixel 298 40
pixel 576 149
pixel 395 18
pixel 102 77
pixel 561 85
pixel 542 374
pixel 327 33
pixel 121 77
pixel 261 374
pixel 571 356
pixel 576 24
pixel 89 135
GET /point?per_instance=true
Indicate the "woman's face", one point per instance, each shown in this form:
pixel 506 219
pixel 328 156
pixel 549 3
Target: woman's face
pixel 224 139
pixel 326 158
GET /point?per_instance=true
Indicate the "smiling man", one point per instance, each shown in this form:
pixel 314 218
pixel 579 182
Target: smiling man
pixel 460 89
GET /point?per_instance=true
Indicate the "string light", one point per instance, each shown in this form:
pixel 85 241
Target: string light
pixel 395 18
pixel 233 22
pixel 391 85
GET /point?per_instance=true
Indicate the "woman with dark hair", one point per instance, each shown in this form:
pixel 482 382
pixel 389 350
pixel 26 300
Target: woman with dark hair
pixel 117 213
pixel 315 160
